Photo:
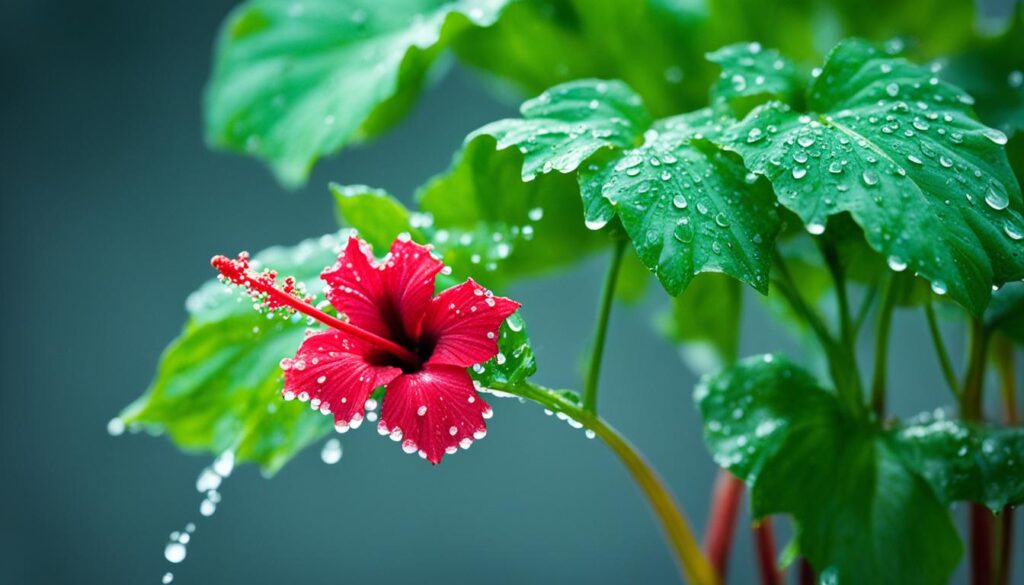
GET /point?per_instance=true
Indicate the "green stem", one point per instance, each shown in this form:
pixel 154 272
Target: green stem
pixel 692 563
pixel 940 349
pixel 974 380
pixel 842 366
pixel 865 308
pixel 601 329
pixel 828 252
pixel 882 346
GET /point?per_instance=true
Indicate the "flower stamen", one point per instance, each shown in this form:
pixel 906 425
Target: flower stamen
pixel 264 287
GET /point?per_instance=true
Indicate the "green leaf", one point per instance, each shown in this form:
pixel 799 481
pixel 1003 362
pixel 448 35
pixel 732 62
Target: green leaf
pixel 962 461
pixel 515 361
pixel 218 386
pixel 900 151
pixel 863 513
pixel 568 123
pixel 687 207
pixel 1006 311
pixel 294 81
pixel 750 72
pixel 704 322
pixel 481 218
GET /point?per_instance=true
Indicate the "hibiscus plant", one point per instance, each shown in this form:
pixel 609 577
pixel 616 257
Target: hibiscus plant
pixel 844 160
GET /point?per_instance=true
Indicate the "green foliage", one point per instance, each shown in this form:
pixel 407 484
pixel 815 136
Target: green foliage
pixel 686 207
pixel 900 151
pixel 294 81
pixel 218 386
pixel 751 72
pixel 865 499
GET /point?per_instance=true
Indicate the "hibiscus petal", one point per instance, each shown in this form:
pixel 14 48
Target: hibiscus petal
pixel 390 299
pixel 332 372
pixel 409 277
pixel 463 324
pixel 434 411
pixel 355 287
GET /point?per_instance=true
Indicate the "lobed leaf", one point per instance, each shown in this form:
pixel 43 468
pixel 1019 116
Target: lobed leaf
pixel 900 151
pixel 866 500
pixel 686 207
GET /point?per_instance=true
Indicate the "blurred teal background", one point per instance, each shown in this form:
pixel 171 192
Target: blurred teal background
pixel 111 209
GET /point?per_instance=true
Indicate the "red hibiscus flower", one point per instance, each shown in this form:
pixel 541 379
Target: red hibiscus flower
pixel 395 333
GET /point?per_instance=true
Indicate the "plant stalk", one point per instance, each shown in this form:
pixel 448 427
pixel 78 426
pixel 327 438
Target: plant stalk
pixel 725 504
pixel 842 365
pixel 693 565
pixel 764 542
pixel 1005 364
pixel 970 410
pixel 882 347
pixel 940 350
pixel 590 383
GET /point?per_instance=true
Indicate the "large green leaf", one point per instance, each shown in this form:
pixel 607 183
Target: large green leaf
pixel 218 386
pixel 900 151
pixel 1006 311
pixel 871 505
pixel 294 81
pixel 686 206
pixel 704 322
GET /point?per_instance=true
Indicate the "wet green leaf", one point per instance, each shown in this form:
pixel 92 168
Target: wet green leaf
pixel 961 461
pixel 687 207
pixel 294 81
pixel 218 386
pixel 901 151
pixel 1006 311
pixel 568 123
pixel 871 505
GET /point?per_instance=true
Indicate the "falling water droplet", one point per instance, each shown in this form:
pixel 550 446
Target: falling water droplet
pixel 115 427
pixel 596 224
pixel 815 229
pixel 175 551
pixel 331 452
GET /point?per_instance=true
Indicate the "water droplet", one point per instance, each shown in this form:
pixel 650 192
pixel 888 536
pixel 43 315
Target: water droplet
pixel 914 159
pixel 331 452
pixel 115 427
pixel 679 201
pixel 1013 231
pixel 596 224
pixel 167 578
pixel 815 229
pixel 536 214
pixel 994 135
pixel 799 173
pixel 721 220
pixel 175 552
pixel 996 199
pixel 805 141
pixel 869 177
pixel 754 135
pixel 897 264
pixel 835 167
pixel 939 287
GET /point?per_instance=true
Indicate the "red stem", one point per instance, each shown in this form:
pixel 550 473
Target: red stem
pixel 282 298
pixel 981 545
pixel 725 501
pixel 1006 547
pixel 764 542
pixel 806 573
